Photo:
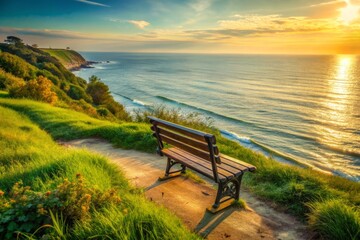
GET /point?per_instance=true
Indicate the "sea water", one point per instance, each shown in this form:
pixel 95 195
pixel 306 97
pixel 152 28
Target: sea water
pixel 304 109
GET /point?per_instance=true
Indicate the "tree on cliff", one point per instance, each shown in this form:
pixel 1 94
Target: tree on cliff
pixel 13 40
pixel 101 96
pixel 98 90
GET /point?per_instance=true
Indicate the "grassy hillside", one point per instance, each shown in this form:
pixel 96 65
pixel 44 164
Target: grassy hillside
pixel 315 197
pixel 57 193
pixel 28 72
pixel 68 58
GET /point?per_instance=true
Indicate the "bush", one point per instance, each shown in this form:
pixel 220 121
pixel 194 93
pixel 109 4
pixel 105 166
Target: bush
pixel 37 89
pixel 82 106
pixel 24 210
pixel 77 93
pixel 175 115
pixel 98 90
pixel 103 112
pixel 7 80
pixel 100 94
pixel 117 110
pixel 17 66
pixel 334 219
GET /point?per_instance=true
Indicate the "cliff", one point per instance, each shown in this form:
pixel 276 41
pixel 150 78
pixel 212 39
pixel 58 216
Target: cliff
pixel 70 59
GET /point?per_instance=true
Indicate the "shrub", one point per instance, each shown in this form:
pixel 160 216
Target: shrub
pixel 103 112
pixel 37 89
pixel 77 93
pixel 16 66
pixel 24 210
pixel 175 115
pixel 117 110
pixel 98 90
pixel 334 219
pixel 7 80
pixel 82 106
pixel 100 94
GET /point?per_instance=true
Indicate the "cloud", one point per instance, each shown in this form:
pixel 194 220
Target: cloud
pixel 328 3
pixel 93 3
pixel 139 23
pixel 276 23
pixel 60 34
pixel 200 5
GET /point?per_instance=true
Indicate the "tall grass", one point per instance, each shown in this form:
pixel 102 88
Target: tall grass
pixel 28 154
pixel 333 219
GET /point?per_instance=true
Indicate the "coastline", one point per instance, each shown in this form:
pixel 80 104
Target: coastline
pixel 225 122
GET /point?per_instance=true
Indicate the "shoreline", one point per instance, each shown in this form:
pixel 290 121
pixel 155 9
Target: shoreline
pixel 264 149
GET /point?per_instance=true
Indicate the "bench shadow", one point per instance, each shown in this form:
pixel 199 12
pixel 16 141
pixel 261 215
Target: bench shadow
pixel 210 221
pixel 158 182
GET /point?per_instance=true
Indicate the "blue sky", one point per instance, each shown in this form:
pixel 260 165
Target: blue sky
pixel 206 26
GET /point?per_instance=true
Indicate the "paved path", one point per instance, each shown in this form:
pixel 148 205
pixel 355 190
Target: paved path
pixel 188 199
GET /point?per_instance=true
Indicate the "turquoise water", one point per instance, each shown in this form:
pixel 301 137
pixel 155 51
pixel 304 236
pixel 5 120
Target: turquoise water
pixel 305 108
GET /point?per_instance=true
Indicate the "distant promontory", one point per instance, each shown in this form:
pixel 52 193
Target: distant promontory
pixel 71 59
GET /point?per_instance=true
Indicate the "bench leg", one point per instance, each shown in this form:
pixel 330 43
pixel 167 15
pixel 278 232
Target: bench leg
pixel 229 188
pixel 170 163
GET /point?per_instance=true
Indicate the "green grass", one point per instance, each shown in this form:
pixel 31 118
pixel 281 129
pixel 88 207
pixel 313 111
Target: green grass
pixel 65 124
pixel 334 220
pixel 30 155
pixel 290 187
pixel 66 57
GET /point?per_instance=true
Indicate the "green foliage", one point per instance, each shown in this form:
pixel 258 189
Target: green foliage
pixel 334 219
pixel 77 93
pixel 84 209
pixel 24 210
pixel 103 112
pixel 67 57
pixel 98 90
pixel 13 40
pixel 37 89
pixel 140 220
pixel 175 115
pixel 241 204
pixel 8 81
pixel 53 69
pixel 82 106
pixel 16 66
pixel 100 95
pixel 31 63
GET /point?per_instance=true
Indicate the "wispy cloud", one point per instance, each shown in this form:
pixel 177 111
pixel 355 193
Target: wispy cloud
pixel 139 23
pixel 276 23
pixel 93 3
pixel 200 5
pixel 328 3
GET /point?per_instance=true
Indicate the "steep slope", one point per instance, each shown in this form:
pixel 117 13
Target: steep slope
pixel 69 58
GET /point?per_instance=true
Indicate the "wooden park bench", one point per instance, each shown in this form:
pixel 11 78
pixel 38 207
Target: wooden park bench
pixel 198 151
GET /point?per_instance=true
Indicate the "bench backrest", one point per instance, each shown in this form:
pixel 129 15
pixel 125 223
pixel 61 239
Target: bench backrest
pixel 200 144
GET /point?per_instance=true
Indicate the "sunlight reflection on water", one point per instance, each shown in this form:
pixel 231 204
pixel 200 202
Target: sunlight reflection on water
pixel 338 109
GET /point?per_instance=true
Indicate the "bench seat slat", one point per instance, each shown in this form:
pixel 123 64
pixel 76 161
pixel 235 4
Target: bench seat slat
pixel 224 170
pixel 225 159
pixel 193 165
pixel 223 173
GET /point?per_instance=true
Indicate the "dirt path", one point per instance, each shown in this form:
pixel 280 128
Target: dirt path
pixel 188 200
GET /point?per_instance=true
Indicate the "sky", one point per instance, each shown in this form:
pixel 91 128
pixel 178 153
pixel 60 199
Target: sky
pixel 187 26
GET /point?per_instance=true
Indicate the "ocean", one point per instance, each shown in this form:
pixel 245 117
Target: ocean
pixel 297 109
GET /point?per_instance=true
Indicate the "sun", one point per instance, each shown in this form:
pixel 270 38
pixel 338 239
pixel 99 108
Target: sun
pixel 349 13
